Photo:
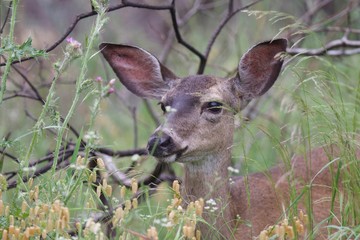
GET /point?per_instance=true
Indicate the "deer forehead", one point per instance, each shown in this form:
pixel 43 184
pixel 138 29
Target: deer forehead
pixel 199 89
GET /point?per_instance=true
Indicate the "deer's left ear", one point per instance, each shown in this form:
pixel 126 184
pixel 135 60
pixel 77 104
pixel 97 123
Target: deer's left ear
pixel 138 70
pixel 259 68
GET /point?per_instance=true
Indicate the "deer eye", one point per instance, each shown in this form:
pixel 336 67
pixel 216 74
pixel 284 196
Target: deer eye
pixel 214 107
pixel 162 106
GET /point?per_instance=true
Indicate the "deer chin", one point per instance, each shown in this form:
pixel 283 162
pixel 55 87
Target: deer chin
pixel 173 157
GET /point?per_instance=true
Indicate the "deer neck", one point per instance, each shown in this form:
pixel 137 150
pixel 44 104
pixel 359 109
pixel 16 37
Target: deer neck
pixel 208 178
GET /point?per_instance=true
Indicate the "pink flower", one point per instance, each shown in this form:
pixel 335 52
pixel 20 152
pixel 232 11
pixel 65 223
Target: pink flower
pixel 98 79
pixel 69 40
pixel 73 42
pixel 111 90
pixel 112 82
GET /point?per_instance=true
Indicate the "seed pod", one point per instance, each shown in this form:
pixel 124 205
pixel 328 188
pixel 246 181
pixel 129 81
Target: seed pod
pixel 108 190
pixel 198 235
pixel 127 205
pixel 98 191
pixel 23 206
pixel 263 235
pixel 100 163
pixel 134 186
pixel 122 192
pixel 11 229
pixel 5 235
pixel 134 203
pixel 44 234
pixel 30 182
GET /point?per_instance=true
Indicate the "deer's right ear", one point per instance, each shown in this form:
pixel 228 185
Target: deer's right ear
pixel 259 68
pixel 138 70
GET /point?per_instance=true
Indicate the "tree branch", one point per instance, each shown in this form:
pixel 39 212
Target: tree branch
pixel 217 31
pixel 336 47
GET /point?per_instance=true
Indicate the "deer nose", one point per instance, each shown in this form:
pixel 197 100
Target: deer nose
pixel 160 145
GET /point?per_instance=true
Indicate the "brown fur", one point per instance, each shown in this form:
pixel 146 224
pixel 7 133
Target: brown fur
pixel 264 207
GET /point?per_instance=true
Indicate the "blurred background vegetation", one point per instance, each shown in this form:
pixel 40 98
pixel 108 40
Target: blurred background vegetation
pixel 313 103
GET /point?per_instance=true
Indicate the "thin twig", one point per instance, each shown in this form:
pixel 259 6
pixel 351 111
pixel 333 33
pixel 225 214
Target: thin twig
pixel 38 172
pixel 2 151
pixel 26 79
pixel 180 39
pixel 6 18
pixel 336 47
pixel 126 153
pixel 217 31
pixel 82 16
pixel 308 16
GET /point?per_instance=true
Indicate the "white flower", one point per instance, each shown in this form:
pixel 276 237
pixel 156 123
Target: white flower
pixel 211 202
pixel 135 157
pixel 233 170
pixel 170 109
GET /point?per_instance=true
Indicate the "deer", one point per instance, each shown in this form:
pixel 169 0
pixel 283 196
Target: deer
pixel 198 132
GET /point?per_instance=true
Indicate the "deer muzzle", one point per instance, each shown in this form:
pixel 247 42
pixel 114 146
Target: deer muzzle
pixel 163 147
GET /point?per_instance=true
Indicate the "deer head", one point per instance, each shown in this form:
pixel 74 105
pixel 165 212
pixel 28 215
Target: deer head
pixel 198 109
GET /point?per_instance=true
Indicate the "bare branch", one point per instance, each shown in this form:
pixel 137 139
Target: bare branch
pixel 339 29
pixel 79 17
pixel 17 94
pixel 2 151
pixel 127 153
pixel 333 48
pixel 33 88
pixel 6 18
pixel 180 39
pixel 308 16
pixel 39 172
pixel 217 31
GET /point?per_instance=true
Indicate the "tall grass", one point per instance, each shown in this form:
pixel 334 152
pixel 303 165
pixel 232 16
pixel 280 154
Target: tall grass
pixel 322 113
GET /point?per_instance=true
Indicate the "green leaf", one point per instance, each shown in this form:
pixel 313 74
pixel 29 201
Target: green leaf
pixel 18 52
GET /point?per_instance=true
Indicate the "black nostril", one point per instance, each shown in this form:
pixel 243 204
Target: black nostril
pixel 153 142
pixel 165 140
pixel 160 145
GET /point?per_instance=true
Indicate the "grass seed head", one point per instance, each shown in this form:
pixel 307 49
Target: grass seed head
pixel 11 229
pixel 199 206
pixel 264 235
pixel 189 231
pixel 17 233
pixel 44 234
pixel 100 163
pixel 176 187
pixel 80 161
pixel 104 183
pixel 30 182
pixel 3 182
pixel 198 235
pixel 108 190
pixel 5 235
pixel 289 232
pixel 135 203
pixel 11 220
pixel 122 192
pixel 134 186
pixel 92 177
pixel 152 233
pixel 127 205
pixel 7 211
pixel 98 191
pixel 1 207
pixel 23 206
